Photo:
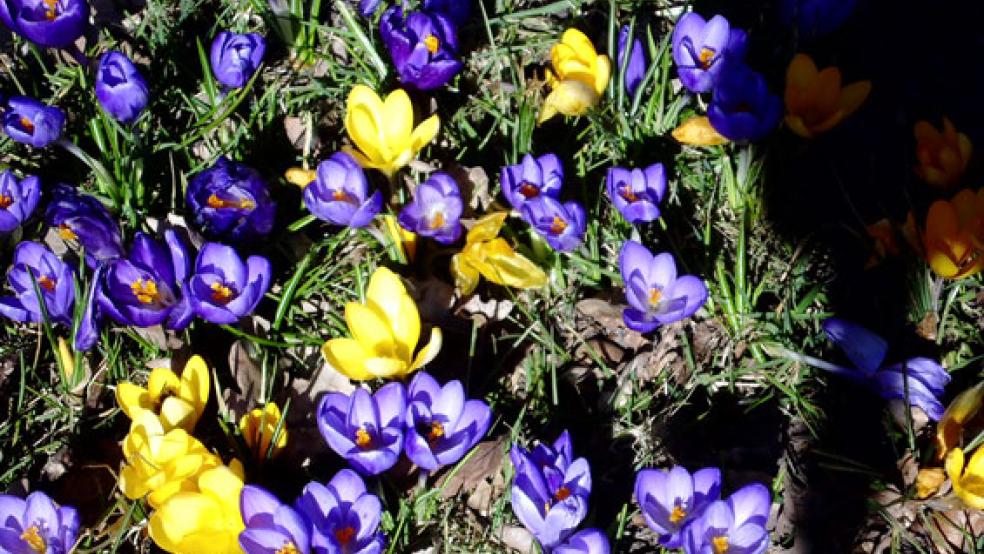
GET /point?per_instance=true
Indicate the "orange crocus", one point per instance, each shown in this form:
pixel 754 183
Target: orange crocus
pixel 815 100
pixel 943 156
pixel 954 237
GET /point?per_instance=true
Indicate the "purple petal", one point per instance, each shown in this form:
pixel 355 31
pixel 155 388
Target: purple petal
pixel 865 349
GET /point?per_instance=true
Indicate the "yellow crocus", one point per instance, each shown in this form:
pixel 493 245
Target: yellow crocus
pixel 383 130
pixel 578 76
pixel 258 428
pixel 961 410
pixel 486 254
pixel 178 401
pixel 815 99
pixel 385 331
pixel 300 177
pixel 943 155
pixel 953 241
pixel 698 131
pixel 968 481
pixel 929 481
pixel 403 242
pixel 206 519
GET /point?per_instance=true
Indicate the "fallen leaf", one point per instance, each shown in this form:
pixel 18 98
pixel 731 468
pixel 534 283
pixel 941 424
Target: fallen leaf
pixel 486 462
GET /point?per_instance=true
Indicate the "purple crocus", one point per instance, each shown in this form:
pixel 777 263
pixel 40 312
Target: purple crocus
pixel 670 500
pixel 423 46
pixel 700 48
pixel 36 524
pixel 368 7
pixel 588 541
pixel 635 66
pixel 441 425
pixel 815 18
pixel 35 265
pixel 637 193
pixel 457 11
pixel 562 225
pixel 30 122
pixel 735 525
pixel 340 194
pixel 120 88
pixel 223 289
pixel 366 430
pixel 435 210
pixel 531 178
pixel 236 57
pixel 230 201
pixel 82 218
pixel 18 198
pixel 48 23
pixel 742 107
pixel 345 517
pixel 271 526
pixel 655 294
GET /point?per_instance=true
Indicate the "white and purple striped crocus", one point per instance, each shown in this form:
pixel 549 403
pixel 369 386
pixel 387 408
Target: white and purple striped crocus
pixel 36 266
pixel 532 178
pixel 656 295
pixel 700 48
pixel 37 524
pixel 561 225
pixel 670 500
pixel 442 425
pixel 271 526
pixel 340 193
pixel 435 210
pixel 223 288
pixel 365 429
pixel 636 193
pixel 344 516
pixel 735 525
pixel 18 199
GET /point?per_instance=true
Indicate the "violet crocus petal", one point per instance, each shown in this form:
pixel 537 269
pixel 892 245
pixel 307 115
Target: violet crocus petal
pixel 650 494
pixel 561 519
pixel 39 509
pixel 707 487
pixel 891 383
pixel 347 486
pixel 364 215
pixel 264 540
pixel 152 254
pixel 392 401
pixel 552 174
pixel 750 538
pixel 639 321
pixel 120 88
pixel 331 417
pixel 587 541
pixel 635 66
pixel 257 506
pixel 684 297
pixel 46 122
pixel 865 349
pixel 368 7
pixel 235 57
pixel 457 11
pixel 471 426
pixel 367 510
pixel 927 371
pixel 89 328
pixel 750 504
pixel 258 275
pixel 297 527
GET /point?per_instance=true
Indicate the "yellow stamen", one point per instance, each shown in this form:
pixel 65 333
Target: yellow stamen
pixel 6 201
pixel 47 283
pixel 706 57
pixel 720 544
pixel 52 13
pixel 345 535
pixel 628 194
pixel 655 295
pixel 145 290
pixel 677 515
pixel 66 232
pixel 437 221
pixel 558 226
pixel 217 203
pixel 32 536
pixel 339 195
pixel 288 548
pixel 528 191
pixel 362 439
pixel 433 44
pixel 436 432
pixel 27 124
pixel 221 293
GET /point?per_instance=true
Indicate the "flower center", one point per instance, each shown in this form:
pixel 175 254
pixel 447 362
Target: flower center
pixel 52 12
pixel 363 439
pixel 436 432
pixel 433 44
pixel 677 515
pixel 528 190
pixel 437 221
pixel 345 535
pixel 563 493
pixel 217 203
pixel 27 124
pixel 47 283
pixel 145 290
pixel 706 57
pixel 627 193
pixel 6 201
pixel 340 195
pixel 32 536
pixel 720 544
pixel 288 548
pixel 66 232
pixel 221 294
pixel 558 226
pixel 655 295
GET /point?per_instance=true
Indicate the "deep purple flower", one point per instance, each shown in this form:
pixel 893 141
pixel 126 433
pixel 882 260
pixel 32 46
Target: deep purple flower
pixel 562 225
pixel 223 288
pixel 742 107
pixel 368 7
pixel 588 541
pixel 435 210
pixel 441 425
pixel 531 178
pixel 36 524
pixel 345 517
pixel 84 219
pixel 457 11
pixel 637 193
pixel 36 265
pixel 735 525
pixel 230 201
pixel 670 500
pixel 655 294
pixel 636 66
pixel 18 198
pixel 423 46
pixel 30 122
pixel 340 194
pixel 815 18
pixel 235 57
pixel 271 526
pixel 49 23
pixel 366 430
pixel 120 88
pixel 700 48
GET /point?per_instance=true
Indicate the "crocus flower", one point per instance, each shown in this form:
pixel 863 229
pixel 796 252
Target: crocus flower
pixel 423 46
pixel 385 331
pixel 953 241
pixel 120 88
pixel 532 177
pixel 178 402
pixel 402 241
pixel 230 200
pixel 698 131
pixel 368 7
pixel 968 480
pixel 458 11
pixel 36 524
pixel 235 57
pixel 656 295
pixel 271 527
pixel 669 500
pixel 635 66
pixel 815 100
pixel 18 198
pixel 83 219
pixel 344 515
pixel 205 519
pixel 223 288
pixel 259 427
pixel 488 255
pixel 366 430
pixel 340 193
pixel 588 541
pixel 735 525
pixel 383 130
pixel 48 23
pixel 441 425
pixel 562 225
pixel 578 76
pixel 30 122
pixel 637 193
pixel 815 18
pixel 742 107
pixel 435 210
pixel 700 48
pixel 36 266
pixel 962 410
pixel 943 155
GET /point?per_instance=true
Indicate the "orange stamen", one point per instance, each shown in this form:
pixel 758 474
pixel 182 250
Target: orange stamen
pixel 345 535
pixel 145 290
pixel 437 221
pixel 32 536
pixel 627 193
pixel 6 201
pixel 528 191
pixel 436 432
pixel 220 293
pixel 27 124
pixel 66 232
pixel 362 439
pixel 47 283
pixel 677 515
pixel 558 226
pixel 217 203
pixel 655 295
pixel 706 57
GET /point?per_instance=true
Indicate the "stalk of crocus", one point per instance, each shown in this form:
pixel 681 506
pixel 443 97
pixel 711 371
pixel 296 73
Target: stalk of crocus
pixel 385 331
pixel 943 154
pixel 953 240
pixel 635 66
pixel 736 524
pixel 423 46
pixel 27 121
pixel 340 193
pixel 37 524
pixel 259 427
pixel 344 515
pixel 223 288
pixel 815 100
pixel 178 402
pixel 48 23
pixel 435 210
pixel 967 476
pixel 577 77
pixel 366 430
pixel 815 18
pixel 82 218
pixel 120 88
pixel 532 177
pixel 457 11
pixel 487 255
pixel 18 199
pixel 231 201
pixel 271 526
pixel 670 500
pixel 236 57
pixel 441 425
pixel 637 193
pixel 561 225
pixel 962 410
pixel 742 107
pixel 701 47
pixel 36 266
pixel 656 295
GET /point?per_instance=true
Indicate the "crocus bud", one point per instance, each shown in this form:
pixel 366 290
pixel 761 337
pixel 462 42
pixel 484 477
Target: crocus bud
pixel 120 88
pixel 49 23
pixel 236 57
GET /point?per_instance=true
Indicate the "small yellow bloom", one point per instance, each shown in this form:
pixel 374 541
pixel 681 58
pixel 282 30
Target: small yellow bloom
pixel 383 130
pixel 258 428
pixel 486 254
pixel 66 358
pixel 961 410
pixel 968 482
pixel 300 177
pixel 206 519
pixel 385 331
pixel 178 401
pixel 954 237
pixel 815 100
pixel 578 76
pixel 402 241
pixel 943 156
pixel 928 481
pixel 698 131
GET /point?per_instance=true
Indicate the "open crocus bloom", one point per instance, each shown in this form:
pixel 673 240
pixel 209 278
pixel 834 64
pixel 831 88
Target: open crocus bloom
pixel 655 294
pixel 178 401
pixel 742 108
pixel 962 410
pixel 636 193
pixel 968 480
pixel 669 500
pixel 340 193
pixel 488 255
pixel 36 266
pixel 943 155
pixel 259 427
pixel 423 45
pixel 271 526
pixel 435 210
pixel 954 237
pixel 224 288
pixel 577 78
pixel 82 218
pixel 344 515
pixel 561 225
pixel 385 331
pixel 700 48
pixel 18 198
pixel 30 122
pixel 204 519
pixel 366 430
pixel 48 23
pixel 532 177
pixel 732 526
pixel 36 524
pixel 441 424
pixel 231 201
pixel 815 100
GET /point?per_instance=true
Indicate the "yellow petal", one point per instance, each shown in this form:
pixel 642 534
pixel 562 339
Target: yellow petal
pixel 853 96
pixel 183 515
pixel 178 413
pixel 383 368
pixel 132 399
pixel 465 275
pixel 300 176
pixel 406 327
pixel 603 73
pixel 954 465
pixel 796 125
pixel 162 381
pixel 569 97
pixel 397 122
pixel 361 95
pixel 429 351
pixel 487 228
pixel 425 133
pixel 347 357
pixel 369 326
pixel 928 481
pixel 362 128
pixel 502 265
pixel 195 384
pixel 579 42
pixel 698 131
pixel 827 91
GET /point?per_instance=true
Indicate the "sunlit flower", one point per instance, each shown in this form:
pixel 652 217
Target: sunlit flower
pixel 83 219
pixel 734 525
pixel 236 57
pixel 656 295
pixel 345 516
pixel 36 524
pixel 271 526
pixel 961 411
pixel 231 201
pixel 943 155
pixel 28 121
pixel 18 198
pixel 578 76
pixel 36 266
pixel 49 23
pixel 398 238
pixel 968 481
pixel 530 178
pixel 636 65
pixel 562 225
pixel 669 500
pixel 488 255
pixel 815 100
pixel 953 240
pixel 442 425
pixel 586 541
pixel 223 287
pixel 259 427
pixel 700 49
pixel 120 88
pixel 698 131
pixel 339 194
pixel 742 108
pixel 178 401
pixel 423 46
pixel 365 429
pixel 636 193
pixel 435 210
